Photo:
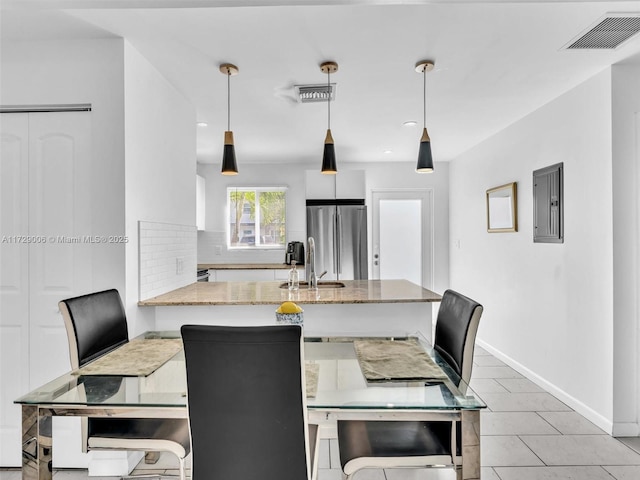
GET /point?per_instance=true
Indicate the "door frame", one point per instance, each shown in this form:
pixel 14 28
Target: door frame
pixel 425 195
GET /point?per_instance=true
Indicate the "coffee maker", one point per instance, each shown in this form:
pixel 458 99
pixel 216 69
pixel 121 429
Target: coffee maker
pixel 294 252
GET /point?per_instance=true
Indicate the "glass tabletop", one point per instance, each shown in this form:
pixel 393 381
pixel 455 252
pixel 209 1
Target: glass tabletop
pixel 340 384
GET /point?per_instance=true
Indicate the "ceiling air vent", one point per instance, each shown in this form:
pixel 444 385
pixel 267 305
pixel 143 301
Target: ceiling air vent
pixel 315 93
pixel 607 33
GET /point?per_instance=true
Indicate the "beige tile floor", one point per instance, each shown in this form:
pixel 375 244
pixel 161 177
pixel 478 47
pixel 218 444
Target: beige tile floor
pixel 527 434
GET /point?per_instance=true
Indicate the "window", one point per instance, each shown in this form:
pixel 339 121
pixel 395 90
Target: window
pixel 256 217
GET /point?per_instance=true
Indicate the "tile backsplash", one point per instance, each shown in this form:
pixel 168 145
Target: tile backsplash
pixel 168 256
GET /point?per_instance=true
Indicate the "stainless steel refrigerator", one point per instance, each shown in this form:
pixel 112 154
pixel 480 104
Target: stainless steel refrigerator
pixel 339 228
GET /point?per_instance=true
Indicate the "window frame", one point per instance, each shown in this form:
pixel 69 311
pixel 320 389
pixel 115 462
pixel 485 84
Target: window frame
pixel 250 188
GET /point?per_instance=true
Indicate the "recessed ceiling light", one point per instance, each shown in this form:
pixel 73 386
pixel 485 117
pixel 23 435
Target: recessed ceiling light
pixel 388 151
pixel 410 123
pixel 202 124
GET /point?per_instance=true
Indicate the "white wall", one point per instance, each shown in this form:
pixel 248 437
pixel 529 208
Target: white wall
pixel 626 239
pixel 399 175
pixel 126 93
pixel 160 146
pixel 72 72
pixel 548 307
pixel 254 175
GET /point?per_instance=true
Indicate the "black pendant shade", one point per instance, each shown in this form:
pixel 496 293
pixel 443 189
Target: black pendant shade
pixel 329 156
pixel 329 166
pixel 229 166
pixel 425 160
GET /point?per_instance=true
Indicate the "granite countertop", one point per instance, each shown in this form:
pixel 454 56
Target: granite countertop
pixel 270 293
pixel 247 266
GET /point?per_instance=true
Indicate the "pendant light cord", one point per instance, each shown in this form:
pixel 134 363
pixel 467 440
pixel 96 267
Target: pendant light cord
pixel 329 98
pixel 228 100
pixel 424 97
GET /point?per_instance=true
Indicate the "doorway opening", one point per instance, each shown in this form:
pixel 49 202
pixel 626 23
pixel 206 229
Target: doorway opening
pixel 403 235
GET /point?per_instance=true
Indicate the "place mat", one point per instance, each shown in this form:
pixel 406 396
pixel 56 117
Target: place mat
pixel 311 371
pixel 396 360
pixel 139 357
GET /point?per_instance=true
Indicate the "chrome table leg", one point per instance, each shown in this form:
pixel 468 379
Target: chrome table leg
pixel 36 443
pixel 470 445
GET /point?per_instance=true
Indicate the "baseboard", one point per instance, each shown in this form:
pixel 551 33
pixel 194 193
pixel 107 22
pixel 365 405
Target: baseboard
pixel 587 412
pixel 626 429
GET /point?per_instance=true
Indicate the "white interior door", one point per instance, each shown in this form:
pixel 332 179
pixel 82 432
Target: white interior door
pixel 60 211
pixel 46 212
pixel 14 281
pixel 61 267
pixel 402 232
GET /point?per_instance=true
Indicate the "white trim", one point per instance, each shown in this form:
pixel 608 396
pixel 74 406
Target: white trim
pixel 71 335
pixel 249 188
pixel 75 364
pixel 303 394
pixel 557 392
pixel 624 427
pixel 360 463
pixel 469 344
pixel 143 444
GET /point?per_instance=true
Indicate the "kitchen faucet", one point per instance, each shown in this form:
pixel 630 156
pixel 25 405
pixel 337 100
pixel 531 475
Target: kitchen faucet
pixel 312 278
pixel 311 263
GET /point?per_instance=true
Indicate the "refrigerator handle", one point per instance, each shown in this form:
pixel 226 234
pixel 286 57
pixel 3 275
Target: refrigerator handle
pixel 338 242
pixel 334 255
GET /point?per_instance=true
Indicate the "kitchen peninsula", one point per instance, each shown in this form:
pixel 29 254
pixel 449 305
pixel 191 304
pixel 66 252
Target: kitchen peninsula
pixel 388 307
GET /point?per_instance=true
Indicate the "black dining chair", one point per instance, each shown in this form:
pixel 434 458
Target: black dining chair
pixel 96 324
pixel 418 444
pixel 247 403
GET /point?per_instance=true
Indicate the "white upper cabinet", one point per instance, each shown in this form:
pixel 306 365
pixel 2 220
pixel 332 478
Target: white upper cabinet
pixel 319 186
pixel 345 184
pixel 350 184
pixel 200 197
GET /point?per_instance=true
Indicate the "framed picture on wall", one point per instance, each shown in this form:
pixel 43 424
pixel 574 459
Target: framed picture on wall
pixel 502 208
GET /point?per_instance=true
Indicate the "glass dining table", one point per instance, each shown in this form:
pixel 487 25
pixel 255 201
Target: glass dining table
pixel 340 392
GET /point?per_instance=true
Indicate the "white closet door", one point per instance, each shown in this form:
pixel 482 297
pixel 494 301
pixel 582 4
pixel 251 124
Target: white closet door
pixel 14 281
pixel 61 267
pixel 46 214
pixel 60 211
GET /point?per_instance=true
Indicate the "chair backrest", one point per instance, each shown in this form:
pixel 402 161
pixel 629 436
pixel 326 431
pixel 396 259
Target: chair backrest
pixel 95 323
pixel 456 329
pixel 246 399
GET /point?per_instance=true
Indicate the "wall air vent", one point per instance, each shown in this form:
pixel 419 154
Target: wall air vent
pixel 315 93
pixel 608 33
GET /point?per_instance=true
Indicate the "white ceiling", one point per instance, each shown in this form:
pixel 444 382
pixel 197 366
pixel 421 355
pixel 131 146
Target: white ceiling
pixel 495 63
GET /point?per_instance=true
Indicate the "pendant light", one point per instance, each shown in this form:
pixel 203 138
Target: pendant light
pixel 229 166
pixel 329 156
pixel 425 160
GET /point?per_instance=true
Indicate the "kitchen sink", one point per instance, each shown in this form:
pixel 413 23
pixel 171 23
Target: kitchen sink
pixel 320 285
